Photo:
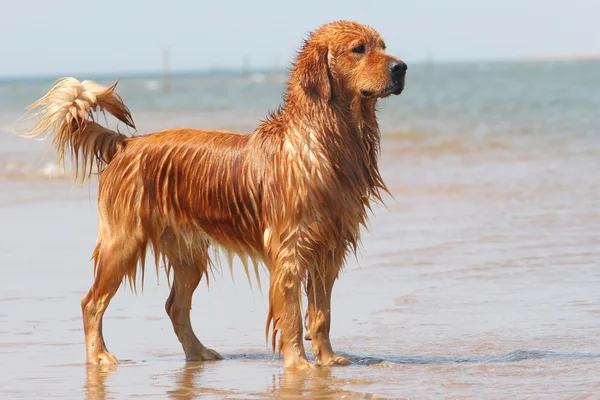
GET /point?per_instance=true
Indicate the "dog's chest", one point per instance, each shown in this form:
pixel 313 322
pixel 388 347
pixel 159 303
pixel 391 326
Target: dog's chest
pixel 321 176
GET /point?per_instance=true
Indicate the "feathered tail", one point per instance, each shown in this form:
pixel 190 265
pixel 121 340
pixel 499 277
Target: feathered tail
pixel 67 114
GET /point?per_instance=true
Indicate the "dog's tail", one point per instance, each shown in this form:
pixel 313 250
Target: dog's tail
pixel 67 114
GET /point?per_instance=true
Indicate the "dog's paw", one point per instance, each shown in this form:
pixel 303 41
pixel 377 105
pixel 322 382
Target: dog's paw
pixel 103 358
pixel 333 360
pixel 299 365
pixel 204 355
pixel 214 355
pixel 339 360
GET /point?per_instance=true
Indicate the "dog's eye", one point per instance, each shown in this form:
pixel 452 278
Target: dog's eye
pixel 359 49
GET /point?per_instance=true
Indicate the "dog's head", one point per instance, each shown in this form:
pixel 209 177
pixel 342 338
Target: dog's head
pixel 348 59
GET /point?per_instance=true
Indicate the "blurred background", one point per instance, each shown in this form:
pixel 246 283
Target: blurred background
pixel 480 276
pixel 480 72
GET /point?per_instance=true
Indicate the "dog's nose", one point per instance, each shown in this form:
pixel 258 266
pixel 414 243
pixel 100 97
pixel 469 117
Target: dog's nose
pixel 398 69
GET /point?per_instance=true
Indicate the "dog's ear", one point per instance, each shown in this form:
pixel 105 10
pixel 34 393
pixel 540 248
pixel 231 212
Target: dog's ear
pixel 313 70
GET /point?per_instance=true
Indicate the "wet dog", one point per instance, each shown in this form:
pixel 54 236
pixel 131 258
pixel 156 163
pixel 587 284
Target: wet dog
pixel 292 194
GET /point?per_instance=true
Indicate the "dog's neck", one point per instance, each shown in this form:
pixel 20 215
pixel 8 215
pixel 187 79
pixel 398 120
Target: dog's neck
pixel 344 130
pixel 345 114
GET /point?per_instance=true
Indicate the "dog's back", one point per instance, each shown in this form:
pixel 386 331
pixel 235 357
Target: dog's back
pixel 193 184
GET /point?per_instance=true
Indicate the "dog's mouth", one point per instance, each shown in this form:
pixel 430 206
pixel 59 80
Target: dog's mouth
pixel 393 88
pixel 398 90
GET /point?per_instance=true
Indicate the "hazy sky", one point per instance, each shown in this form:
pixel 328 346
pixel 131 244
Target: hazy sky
pixel 61 37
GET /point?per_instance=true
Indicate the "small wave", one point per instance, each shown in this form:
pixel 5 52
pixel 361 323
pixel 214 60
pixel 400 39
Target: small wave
pixel 258 78
pixel 419 143
pixel 152 84
pixel 6 128
pixel 16 171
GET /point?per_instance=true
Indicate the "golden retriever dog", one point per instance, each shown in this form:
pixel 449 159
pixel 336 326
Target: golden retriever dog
pixel 293 194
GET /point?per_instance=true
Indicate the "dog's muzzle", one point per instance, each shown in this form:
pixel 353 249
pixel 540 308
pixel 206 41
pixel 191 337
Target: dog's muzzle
pixel 398 72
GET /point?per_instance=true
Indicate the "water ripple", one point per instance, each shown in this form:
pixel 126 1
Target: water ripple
pixel 513 356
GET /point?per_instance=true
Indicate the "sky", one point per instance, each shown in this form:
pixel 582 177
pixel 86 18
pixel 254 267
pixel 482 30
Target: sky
pixel 67 37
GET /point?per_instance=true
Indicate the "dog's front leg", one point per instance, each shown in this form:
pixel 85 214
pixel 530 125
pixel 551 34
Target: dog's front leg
pixel 286 313
pixel 318 314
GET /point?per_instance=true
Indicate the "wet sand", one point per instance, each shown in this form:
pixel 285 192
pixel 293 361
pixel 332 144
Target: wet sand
pixel 480 280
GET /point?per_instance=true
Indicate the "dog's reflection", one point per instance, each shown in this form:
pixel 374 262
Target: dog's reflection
pixel 313 383
pixel 187 382
pixel 95 384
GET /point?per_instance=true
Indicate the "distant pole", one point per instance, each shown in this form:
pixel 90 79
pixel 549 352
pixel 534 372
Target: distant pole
pixel 275 67
pixel 245 65
pixel 429 62
pixel 166 81
pixel 429 68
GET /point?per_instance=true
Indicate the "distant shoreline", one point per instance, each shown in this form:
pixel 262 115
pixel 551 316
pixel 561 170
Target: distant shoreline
pixel 566 57
pixel 228 71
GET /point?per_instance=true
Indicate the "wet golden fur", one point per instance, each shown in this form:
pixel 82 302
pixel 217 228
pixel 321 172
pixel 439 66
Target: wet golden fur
pixel 292 194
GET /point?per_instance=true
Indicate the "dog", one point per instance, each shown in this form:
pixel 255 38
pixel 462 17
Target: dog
pixel 293 194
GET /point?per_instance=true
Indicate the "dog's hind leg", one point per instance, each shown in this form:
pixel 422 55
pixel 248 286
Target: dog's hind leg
pixel 188 265
pixel 319 288
pixel 114 258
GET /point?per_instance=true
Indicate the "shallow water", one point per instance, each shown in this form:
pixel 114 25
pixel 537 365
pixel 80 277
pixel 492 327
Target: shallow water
pixel 478 280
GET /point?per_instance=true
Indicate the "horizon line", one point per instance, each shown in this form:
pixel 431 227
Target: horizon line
pixel 241 70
